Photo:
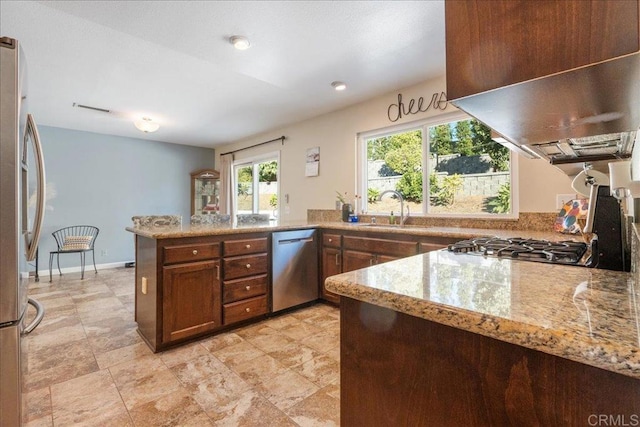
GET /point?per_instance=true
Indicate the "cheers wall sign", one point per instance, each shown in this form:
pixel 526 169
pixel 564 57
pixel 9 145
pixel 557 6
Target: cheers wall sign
pixel 396 111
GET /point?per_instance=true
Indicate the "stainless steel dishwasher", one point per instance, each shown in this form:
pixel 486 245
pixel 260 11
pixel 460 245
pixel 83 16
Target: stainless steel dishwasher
pixel 295 268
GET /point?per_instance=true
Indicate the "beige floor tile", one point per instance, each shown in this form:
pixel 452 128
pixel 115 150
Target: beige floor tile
pixel 270 340
pixel 322 341
pixel 88 365
pixel 218 342
pixel 219 391
pixel 255 330
pixel 300 330
pixel 318 410
pixel 282 321
pixel 40 422
pixel 238 353
pixel 38 404
pixel 294 354
pixel 260 369
pixel 143 380
pixel 250 409
pixel 175 409
pixel 92 399
pixel 62 363
pixel 287 389
pixel 201 369
pixel 321 370
pixel 123 354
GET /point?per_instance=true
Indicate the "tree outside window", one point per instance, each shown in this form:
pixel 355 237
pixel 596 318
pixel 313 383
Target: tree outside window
pixel 467 172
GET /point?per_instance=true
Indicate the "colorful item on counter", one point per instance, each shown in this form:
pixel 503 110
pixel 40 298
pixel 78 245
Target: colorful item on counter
pixel 571 212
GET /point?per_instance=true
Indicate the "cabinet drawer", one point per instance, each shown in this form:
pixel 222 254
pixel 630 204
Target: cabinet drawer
pixel 380 246
pixel 239 289
pixel 244 247
pixel 246 309
pixel 331 240
pixel 243 266
pixel 193 252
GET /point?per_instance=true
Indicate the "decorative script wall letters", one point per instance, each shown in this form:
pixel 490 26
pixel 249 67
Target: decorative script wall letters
pixel 396 111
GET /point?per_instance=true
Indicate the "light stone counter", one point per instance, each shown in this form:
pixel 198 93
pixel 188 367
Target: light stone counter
pixel 195 230
pixel 186 230
pixel 587 315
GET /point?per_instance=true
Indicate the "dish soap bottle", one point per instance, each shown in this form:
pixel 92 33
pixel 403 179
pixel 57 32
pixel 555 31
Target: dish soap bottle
pixel 392 218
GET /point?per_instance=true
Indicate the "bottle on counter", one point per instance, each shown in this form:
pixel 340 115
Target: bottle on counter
pixel 392 218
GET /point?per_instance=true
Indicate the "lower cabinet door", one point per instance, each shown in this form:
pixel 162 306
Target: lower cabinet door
pixel 355 260
pixel 331 265
pixel 192 301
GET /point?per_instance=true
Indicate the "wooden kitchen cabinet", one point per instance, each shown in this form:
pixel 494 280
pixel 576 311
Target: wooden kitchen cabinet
pixel 353 250
pixel 491 44
pixel 245 279
pixel 331 265
pixel 188 287
pixel 331 261
pixel 191 303
pixel 362 252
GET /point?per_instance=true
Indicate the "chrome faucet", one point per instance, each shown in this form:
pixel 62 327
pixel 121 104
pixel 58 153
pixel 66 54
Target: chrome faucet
pixel 399 196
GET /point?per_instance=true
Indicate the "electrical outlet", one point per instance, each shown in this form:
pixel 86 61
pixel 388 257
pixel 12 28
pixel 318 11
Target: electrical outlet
pixel 145 286
pixel 561 199
pixel 104 252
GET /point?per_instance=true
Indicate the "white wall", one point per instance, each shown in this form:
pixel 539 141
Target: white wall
pixel 335 133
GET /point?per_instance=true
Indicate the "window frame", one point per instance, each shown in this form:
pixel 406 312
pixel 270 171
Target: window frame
pixel 254 161
pixel 423 125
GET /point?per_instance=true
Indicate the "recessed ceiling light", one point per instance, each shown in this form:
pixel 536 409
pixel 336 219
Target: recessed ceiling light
pixel 240 42
pixel 146 125
pixel 338 85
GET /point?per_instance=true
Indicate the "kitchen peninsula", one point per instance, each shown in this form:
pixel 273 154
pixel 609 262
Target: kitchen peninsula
pixel 457 339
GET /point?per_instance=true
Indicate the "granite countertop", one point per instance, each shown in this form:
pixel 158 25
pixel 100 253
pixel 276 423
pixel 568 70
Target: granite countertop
pixel 187 230
pixel 587 315
pixel 195 230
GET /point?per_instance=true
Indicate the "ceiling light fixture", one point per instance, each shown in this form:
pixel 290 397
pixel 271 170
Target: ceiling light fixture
pixel 240 42
pixel 339 85
pixel 146 125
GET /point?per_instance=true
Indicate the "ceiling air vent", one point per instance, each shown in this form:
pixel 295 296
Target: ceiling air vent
pixel 88 107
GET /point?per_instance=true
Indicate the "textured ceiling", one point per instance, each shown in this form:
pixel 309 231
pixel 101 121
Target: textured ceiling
pixel 171 60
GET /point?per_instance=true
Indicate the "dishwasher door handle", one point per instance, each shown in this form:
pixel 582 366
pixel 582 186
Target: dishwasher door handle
pixel 289 241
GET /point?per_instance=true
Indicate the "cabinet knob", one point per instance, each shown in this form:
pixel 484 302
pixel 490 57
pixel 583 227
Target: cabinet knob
pixel 247 309
pixel 248 287
pixel 248 246
pixel 195 252
pixel 248 265
pixel 330 240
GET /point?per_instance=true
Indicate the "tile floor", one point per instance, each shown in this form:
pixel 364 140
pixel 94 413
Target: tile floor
pixel 86 365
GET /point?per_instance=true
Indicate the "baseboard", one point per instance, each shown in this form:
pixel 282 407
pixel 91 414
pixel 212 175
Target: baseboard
pixel 87 268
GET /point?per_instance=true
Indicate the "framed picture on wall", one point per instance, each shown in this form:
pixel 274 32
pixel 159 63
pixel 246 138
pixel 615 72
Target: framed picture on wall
pixel 312 166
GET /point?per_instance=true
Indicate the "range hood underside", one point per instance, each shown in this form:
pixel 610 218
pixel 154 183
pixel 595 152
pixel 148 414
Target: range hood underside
pixel 598 99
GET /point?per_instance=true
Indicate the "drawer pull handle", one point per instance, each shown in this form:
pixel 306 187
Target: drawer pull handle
pixel 217 272
pixel 248 246
pixel 247 309
pixel 248 265
pixel 195 252
pixel 337 260
pixel 248 287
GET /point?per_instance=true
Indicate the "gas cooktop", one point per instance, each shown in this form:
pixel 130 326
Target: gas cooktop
pixel 564 252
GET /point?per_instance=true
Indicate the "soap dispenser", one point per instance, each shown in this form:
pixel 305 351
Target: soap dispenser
pixel 392 218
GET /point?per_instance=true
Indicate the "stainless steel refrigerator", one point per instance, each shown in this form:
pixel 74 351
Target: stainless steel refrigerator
pixel 22 197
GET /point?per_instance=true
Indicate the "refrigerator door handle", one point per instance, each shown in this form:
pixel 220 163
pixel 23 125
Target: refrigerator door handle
pixel 39 315
pixel 32 241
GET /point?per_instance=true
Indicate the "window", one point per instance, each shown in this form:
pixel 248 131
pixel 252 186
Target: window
pixel 256 186
pixel 440 167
